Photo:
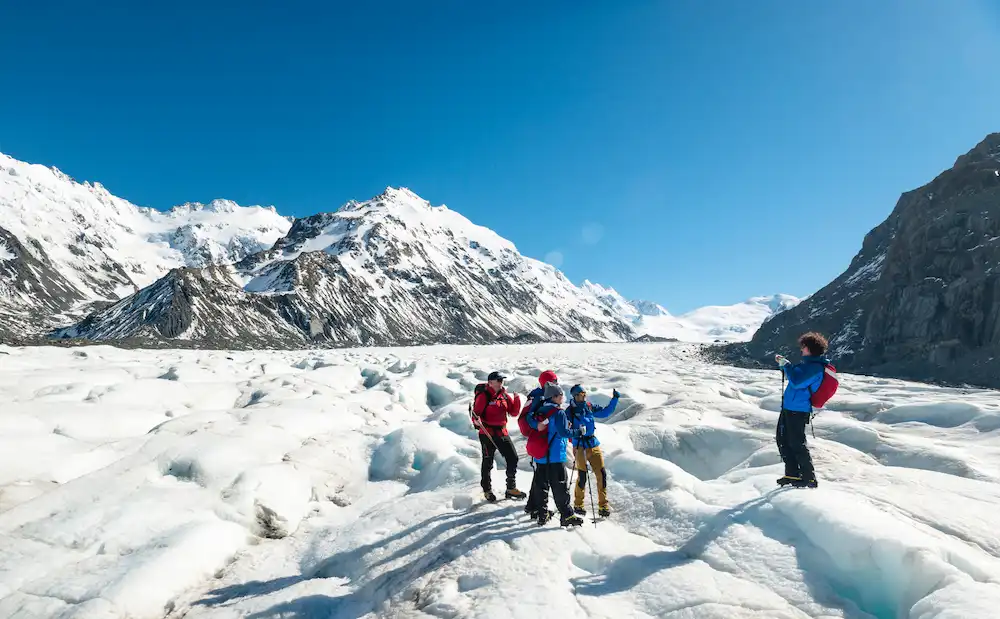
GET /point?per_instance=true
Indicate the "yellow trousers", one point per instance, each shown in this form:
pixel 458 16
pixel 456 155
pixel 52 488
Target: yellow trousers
pixel 595 456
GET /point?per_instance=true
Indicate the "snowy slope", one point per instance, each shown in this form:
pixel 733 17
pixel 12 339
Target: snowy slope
pixel 390 270
pixel 211 485
pixel 706 324
pixel 730 322
pixel 106 247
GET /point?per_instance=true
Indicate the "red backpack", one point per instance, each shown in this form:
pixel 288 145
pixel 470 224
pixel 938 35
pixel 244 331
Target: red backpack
pixel 538 444
pixel 827 387
pixel 522 419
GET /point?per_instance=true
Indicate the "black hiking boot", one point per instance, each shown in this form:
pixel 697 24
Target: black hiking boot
pixel 572 520
pixel 806 483
pixel 604 512
pixel 580 511
pixel 514 493
pixel 544 516
pixel 490 497
pixel 788 479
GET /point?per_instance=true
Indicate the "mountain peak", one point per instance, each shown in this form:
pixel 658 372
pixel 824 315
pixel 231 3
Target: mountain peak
pixel 776 302
pixel 400 193
pixel 217 205
pixel 597 288
pixel 392 199
pixel 649 308
pixel 405 197
pixel 987 151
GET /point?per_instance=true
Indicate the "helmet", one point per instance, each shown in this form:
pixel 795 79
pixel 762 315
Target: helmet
pixel 548 376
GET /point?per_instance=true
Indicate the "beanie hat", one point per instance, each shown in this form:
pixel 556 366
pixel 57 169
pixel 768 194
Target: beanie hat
pixel 548 376
pixel 552 390
pixel 576 389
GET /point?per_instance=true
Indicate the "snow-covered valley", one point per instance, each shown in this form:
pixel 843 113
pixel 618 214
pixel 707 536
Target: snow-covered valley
pixel 344 483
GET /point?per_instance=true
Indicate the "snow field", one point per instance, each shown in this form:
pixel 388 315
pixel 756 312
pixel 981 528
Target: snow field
pixel 209 484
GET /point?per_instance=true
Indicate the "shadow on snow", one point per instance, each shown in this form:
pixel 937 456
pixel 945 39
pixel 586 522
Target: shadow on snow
pixel 373 590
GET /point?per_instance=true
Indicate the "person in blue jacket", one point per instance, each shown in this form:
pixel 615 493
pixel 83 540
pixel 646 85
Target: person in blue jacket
pixel 582 415
pixel 553 465
pixel 539 483
pixel 796 408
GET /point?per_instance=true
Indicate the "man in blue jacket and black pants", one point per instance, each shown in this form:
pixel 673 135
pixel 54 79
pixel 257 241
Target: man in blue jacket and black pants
pixel 796 409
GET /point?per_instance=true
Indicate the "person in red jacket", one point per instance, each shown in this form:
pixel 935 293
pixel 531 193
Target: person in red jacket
pixel 490 410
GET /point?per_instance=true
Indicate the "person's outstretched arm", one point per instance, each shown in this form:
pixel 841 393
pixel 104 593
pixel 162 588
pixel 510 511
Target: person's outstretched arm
pixel 602 412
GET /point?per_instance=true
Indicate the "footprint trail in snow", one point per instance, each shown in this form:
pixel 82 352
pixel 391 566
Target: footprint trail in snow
pixel 211 484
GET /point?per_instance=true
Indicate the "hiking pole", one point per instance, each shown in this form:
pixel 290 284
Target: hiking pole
pixel 573 472
pixel 782 370
pixel 590 489
pixel 486 428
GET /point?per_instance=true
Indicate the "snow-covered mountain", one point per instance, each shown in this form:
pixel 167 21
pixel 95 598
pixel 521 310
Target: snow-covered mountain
pixel 78 262
pixel 390 270
pixel 728 323
pixel 96 247
pixel 739 321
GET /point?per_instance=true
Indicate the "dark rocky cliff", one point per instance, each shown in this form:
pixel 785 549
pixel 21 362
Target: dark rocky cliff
pixel 921 300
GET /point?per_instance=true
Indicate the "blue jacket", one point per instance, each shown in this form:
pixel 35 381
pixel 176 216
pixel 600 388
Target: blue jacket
pixel 559 432
pixel 581 416
pixel 803 379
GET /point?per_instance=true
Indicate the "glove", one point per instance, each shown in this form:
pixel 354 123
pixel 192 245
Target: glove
pixel 614 393
pixel 782 362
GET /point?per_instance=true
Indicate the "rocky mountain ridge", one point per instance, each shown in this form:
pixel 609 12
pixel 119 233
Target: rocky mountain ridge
pixel 921 299
pixel 79 264
pixel 72 247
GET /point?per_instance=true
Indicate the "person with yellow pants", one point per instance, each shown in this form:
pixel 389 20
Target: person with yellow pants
pixel 587 449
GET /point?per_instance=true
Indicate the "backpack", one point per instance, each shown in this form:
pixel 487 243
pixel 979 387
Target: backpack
pixel 477 422
pixel 480 388
pixel 538 446
pixel 538 443
pixel 827 387
pixel 529 409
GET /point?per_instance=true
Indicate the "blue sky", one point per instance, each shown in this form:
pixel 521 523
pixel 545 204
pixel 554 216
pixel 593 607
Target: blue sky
pixel 687 152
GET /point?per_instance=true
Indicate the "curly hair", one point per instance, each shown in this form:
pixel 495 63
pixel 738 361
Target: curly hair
pixel 815 342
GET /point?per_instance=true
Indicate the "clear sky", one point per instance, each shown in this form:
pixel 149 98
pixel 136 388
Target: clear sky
pixel 686 152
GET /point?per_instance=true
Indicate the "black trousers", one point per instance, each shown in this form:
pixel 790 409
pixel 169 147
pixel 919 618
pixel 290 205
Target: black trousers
pixel 506 448
pixel 549 476
pixel 791 438
pixel 538 496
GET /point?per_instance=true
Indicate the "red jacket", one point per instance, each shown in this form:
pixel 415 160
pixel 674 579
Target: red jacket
pixel 494 415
